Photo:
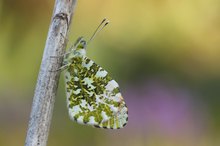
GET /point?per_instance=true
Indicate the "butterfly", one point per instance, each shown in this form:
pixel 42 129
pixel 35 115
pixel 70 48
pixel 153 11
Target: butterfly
pixel 93 96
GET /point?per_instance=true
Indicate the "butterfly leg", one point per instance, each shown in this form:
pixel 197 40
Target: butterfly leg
pixel 63 55
pixel 60 56
pixel 62 68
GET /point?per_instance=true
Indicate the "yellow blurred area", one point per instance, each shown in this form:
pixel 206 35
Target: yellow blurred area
pixel 164 54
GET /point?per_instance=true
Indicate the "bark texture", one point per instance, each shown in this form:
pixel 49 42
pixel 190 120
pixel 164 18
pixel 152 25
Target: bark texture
pixel 47 83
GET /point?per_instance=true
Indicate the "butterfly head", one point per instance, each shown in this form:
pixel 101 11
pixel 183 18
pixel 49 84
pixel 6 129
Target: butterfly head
pixel 80 46
pixel 80 43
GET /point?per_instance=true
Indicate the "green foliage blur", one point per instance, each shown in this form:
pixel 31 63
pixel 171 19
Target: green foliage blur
pixel 163 53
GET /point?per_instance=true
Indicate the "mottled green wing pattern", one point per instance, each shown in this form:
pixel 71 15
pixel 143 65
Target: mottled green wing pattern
pixel 93 97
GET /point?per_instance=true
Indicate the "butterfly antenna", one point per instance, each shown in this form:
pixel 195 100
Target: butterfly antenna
pixel 98 29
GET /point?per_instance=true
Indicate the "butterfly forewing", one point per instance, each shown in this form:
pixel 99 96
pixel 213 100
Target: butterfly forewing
pixel 93 97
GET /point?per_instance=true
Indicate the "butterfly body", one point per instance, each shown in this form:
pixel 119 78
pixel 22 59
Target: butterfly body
pixel 93 97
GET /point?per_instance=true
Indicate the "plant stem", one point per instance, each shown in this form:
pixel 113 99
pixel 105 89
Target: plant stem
pixel 47 83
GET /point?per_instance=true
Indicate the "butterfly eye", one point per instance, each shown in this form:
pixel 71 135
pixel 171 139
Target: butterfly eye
pixel 83 43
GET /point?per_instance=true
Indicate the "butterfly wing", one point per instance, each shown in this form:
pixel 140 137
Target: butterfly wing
pixel 93 97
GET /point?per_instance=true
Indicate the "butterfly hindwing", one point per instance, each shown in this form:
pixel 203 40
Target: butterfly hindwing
pixel 93 97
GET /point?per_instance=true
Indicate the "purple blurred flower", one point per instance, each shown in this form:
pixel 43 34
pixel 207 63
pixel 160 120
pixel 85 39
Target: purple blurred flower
pixel 162 108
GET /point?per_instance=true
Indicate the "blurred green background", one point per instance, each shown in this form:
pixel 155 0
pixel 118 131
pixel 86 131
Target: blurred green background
pixel 163 53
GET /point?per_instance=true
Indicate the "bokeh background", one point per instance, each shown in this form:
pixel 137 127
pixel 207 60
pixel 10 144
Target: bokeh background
pixel 164 54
